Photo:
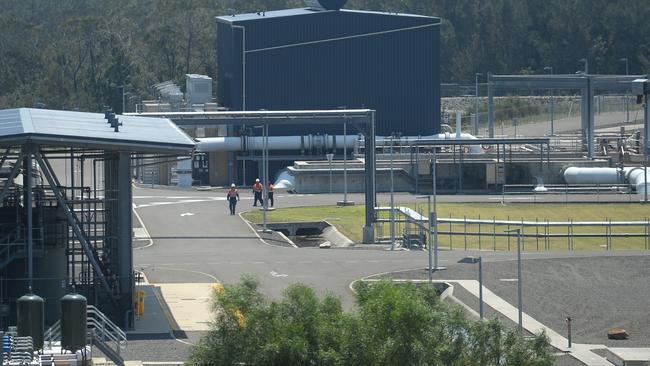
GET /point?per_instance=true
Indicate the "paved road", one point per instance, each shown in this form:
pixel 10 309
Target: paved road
pixel 195 240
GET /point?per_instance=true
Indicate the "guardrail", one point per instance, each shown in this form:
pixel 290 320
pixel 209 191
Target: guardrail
pixel 544 233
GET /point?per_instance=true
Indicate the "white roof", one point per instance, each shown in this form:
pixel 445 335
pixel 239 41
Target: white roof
pixel 92 130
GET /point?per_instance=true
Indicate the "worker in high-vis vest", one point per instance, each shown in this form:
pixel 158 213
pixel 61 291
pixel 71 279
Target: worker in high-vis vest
pixel 270 194
pixel 232 196
pixel 257 192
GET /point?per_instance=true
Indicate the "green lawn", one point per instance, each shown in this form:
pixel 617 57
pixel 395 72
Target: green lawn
pixel 349 221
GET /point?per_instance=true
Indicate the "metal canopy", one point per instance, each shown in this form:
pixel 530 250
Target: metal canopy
pixel 91 130
pixel 361 119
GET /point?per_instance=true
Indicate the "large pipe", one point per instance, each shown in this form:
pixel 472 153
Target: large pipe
pixel 247 143
pixel 632 175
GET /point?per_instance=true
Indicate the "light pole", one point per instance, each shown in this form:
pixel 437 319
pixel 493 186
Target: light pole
pixel 550 70
pixel 519 288
pixel 478 260
pixel 265 178
pixel 392 192
pixel 345 201
pixel 627 106
pixel 476 115
pixel 433 217
pixel 586 64
pixel 429 246
pixel 123 100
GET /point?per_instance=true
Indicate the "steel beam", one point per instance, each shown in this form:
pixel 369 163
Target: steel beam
pixel 370 189
pixel 73 221
pixel 27 184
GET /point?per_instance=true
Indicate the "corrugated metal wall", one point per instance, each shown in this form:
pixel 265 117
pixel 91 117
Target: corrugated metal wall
pixel 396 73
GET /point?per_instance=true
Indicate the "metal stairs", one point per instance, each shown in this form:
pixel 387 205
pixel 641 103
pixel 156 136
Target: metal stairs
pixel 102 333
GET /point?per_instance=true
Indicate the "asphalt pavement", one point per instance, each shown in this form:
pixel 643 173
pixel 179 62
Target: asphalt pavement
pixel 195 240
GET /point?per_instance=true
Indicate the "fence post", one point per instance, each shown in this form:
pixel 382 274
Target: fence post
pixel 537 233
pixel 647 233
pixel 465 231
pixel 508 234
pixel 479 232
pixel 523 236
pixel 450 245
pixel 494 232
pixel 568 234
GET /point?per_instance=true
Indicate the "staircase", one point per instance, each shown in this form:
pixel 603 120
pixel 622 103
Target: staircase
pixel 13 246
pixel 102 333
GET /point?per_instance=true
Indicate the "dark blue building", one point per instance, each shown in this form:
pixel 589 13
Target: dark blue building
pixel 313 58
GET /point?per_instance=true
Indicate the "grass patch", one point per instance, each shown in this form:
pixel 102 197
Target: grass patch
pixel 349 220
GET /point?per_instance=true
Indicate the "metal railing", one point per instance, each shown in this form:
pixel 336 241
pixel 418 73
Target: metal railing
pixel 546 235
pixel 100 328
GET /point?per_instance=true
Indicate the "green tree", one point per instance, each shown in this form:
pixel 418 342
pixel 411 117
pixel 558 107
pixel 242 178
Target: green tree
pixel 393 325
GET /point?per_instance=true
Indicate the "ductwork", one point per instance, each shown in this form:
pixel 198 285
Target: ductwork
pixel 635 176
pixel 306 142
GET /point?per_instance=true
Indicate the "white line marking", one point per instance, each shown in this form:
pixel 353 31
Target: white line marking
pixel 187 214
pixel 145 233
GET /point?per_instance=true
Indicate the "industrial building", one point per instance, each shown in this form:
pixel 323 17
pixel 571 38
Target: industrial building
pixel 324 58
pixel 318 59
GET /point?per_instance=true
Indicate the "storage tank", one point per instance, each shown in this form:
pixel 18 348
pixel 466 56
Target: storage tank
pixel 30 318
pixel 73 322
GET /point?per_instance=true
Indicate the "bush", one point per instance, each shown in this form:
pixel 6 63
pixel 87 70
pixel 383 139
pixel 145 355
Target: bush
pixel 393 325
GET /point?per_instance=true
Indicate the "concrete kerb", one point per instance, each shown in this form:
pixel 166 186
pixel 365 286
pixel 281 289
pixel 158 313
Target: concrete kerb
pixel 250 226
pixel 581 352
pixel 147 236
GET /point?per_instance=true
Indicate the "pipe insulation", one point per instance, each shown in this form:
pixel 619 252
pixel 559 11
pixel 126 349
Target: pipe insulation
pixel 635 176
pixel 246 143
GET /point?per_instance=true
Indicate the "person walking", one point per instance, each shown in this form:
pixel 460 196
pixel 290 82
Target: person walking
pixel 257 192
pixel 270 194
pixel 232 197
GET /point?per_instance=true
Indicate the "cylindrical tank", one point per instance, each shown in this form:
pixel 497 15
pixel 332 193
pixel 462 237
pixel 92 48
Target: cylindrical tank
pixel 30 318
pixel 73 322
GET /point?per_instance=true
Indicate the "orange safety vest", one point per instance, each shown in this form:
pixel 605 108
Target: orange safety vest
pixel 232 193
pixel 257 187
pixel 270 187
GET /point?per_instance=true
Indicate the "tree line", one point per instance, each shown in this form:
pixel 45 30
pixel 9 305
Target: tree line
pixel 83 54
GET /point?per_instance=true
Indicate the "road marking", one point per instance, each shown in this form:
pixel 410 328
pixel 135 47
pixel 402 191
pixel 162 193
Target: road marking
pixel 144 232
pixel 508 279
pixel 187 214
pixel 278 275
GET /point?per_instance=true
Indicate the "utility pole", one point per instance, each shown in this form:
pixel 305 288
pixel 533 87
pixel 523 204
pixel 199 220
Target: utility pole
pixel 476 115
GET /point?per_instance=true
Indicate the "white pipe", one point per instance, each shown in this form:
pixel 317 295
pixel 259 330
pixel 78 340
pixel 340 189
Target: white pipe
pixel 243 143
pixel 632 175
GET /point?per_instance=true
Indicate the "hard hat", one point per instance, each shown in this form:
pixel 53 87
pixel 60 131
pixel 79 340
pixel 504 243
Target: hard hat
pixel 257 180
pixel 233 185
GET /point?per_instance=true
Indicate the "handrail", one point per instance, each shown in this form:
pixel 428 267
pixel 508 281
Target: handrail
pixel 104 329
pixel 53 333
pixel 108 329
